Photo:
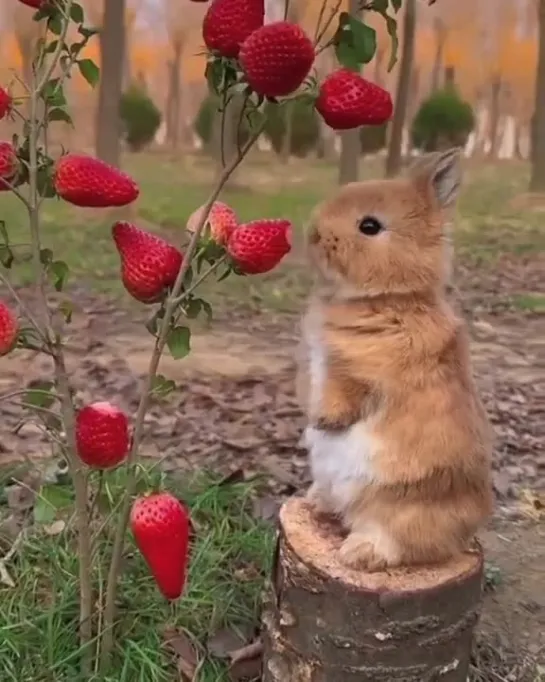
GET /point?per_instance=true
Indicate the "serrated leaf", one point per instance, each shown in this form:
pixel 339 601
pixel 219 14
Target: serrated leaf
pixel 76 14
pixel 46 256
pixel 52 498
pixel 58 114
pixel 391 26
pixel 179 342
pixel 90 71
pixel 40 395
pixel 59 272
pixel 162 386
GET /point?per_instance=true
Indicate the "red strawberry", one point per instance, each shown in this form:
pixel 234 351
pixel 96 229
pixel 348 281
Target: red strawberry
pixel 9 328
pixel 277 58
pixel 8 164
pixel 6 102
pixel 228 23
pixel 259 246
pixel 149 264
pixel 33 3
pixel 160 525
pixel 346 100
pixel 222 220
pixel 102 435
pixel 85 181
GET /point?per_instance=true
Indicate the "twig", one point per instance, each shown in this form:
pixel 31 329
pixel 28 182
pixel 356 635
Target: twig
pixel 319 21
pixel 119 541
pixel 200 280
pixel 5 577
pixel 26 310
pixel 327 24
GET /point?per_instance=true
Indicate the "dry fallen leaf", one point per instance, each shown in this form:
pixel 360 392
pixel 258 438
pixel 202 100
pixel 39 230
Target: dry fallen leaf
pixel 223 642
pixel 56 528
pixel 187 661
pixel 246 662
pixel 533 504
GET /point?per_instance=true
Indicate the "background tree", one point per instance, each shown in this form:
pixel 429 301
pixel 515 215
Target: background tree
pixel 537 180
pixel 393 158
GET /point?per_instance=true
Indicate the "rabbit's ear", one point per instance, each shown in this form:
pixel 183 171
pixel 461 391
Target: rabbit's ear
pixel 442 174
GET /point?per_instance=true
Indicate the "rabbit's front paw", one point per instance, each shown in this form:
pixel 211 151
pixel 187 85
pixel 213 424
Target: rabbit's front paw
pixel 371 550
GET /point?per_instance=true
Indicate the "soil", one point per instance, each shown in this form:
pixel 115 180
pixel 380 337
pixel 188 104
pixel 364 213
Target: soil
pixel 234 408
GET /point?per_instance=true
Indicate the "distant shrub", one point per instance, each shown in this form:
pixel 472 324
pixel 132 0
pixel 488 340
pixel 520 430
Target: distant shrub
pixel 305 127
pixel 443 120
pixel 140 117
pixel 206 120
pixel 373 138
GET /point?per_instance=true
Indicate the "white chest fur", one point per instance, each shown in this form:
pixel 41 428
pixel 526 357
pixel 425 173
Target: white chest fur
pixel 341 462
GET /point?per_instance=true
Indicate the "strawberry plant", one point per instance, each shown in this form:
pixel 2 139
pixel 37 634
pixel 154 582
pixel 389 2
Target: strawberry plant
pixel 270 66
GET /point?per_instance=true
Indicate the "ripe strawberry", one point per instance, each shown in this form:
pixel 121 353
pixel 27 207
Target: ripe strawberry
pixel 277 58
pixel 222 220
pixel 85 181
pixel 259 246
pixel 160 525
pixel 6 102
pixel 102 435
pixel 346 100
pixel 149 264
pixel 228 23
pixel 9 328
pixel 8 164
pixel 34 3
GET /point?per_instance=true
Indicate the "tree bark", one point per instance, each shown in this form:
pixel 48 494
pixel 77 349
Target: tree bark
pixel 537 179
pixel 393 158
pixel 349 160
pixel 325 623
pixel 112 50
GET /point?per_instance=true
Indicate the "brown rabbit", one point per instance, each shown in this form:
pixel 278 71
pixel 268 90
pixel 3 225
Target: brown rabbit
pixel 399 441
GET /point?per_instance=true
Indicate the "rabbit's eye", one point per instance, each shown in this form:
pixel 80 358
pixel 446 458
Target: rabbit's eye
pixel 369 226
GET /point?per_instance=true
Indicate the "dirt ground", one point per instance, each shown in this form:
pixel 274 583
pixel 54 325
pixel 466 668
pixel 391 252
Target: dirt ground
pixel 235 408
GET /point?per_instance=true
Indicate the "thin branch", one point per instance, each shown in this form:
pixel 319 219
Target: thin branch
pixel 119 540
pixel 333 13
pixel 200 280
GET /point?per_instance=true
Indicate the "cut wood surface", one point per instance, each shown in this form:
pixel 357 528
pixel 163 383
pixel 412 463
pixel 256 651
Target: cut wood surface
pixel 324 622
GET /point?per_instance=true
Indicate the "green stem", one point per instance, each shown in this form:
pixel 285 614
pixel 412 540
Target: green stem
pixel 119 540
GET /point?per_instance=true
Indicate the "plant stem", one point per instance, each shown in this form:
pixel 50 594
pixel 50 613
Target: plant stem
pixel 55 345
pixel 200 279
pixel 119 540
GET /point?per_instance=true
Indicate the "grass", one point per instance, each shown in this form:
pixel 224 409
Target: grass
pixel 38 617
pixel 488 227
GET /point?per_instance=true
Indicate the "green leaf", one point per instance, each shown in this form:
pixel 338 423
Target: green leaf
pixel 53 93
pixel 46 256
pixel 51 47
pixel 391 26
pixel 4 232
pixel 192 308
pixel 6 256
pixel 45 185
pixel 54 24
pixel 355 42
pixel 207 309
pixel 58 114
pixel 40 395
pixel 214 75
pixel 396 4
pixel 67 310
pixel 179 342
pixel 59 273
pixel 90 71
pixel 88 32
pixel 52 498
pixel 76 13
pixel 162 386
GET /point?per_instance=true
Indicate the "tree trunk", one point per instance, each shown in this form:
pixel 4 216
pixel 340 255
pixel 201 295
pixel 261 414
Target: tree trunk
pixel 393 158
pixel 174 108
pixel 537 179
pixel 325 623
pixel 495 94
pixel 440 34
pixel 112 50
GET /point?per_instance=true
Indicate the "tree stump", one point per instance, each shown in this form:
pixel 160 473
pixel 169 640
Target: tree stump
pixel 323 622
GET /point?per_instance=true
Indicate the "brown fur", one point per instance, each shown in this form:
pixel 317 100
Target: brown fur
pixel 396 350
